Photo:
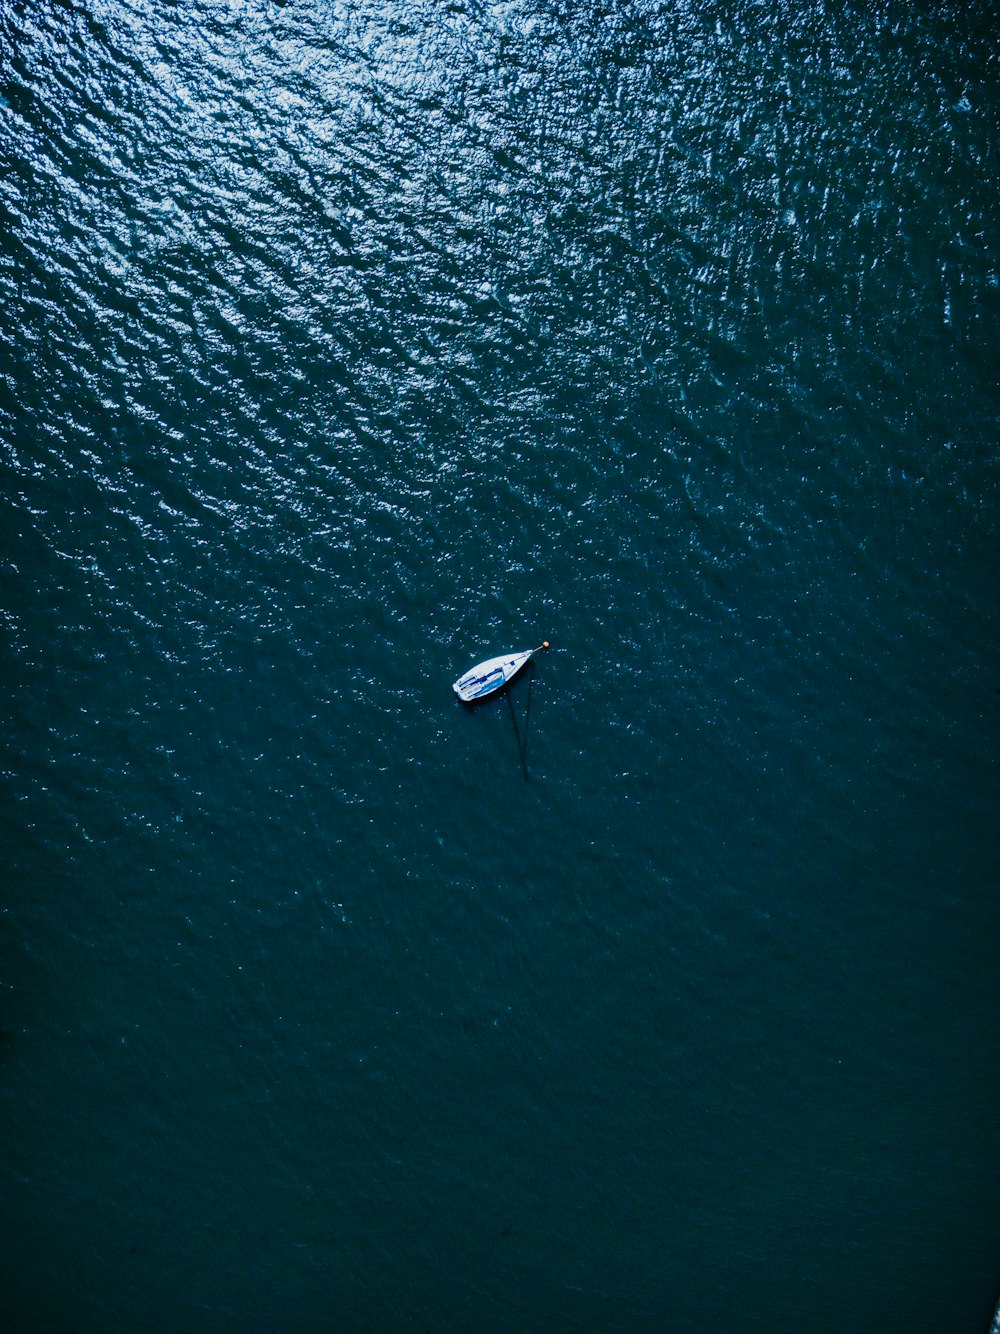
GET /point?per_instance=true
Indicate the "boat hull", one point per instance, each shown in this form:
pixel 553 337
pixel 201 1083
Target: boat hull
pixel 486 678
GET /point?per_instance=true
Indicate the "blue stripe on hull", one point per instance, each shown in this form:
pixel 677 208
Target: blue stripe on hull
pixel 488 683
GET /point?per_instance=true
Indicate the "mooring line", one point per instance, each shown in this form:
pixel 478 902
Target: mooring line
pixel 517 733
pixel 527 712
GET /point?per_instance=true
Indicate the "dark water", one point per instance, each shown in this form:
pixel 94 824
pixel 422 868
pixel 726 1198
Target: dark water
pixel 342 345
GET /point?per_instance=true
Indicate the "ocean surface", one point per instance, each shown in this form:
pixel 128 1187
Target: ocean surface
pixel 343 345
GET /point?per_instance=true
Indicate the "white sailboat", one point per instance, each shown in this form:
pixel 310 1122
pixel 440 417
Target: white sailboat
pixel 486 678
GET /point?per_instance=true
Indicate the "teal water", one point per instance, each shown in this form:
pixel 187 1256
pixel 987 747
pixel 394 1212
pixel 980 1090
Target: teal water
pixel 342 345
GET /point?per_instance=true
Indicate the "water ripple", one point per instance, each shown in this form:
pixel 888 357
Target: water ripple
pixel 341 343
